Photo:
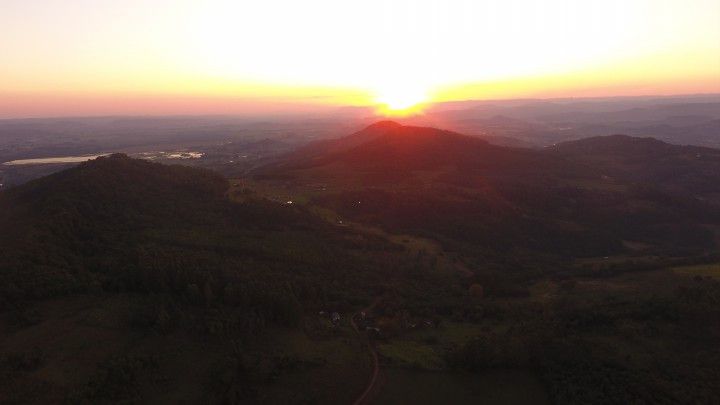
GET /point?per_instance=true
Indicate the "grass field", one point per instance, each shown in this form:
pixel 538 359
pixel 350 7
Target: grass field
pixel 711 270
pixel 501 387
pixel 424 349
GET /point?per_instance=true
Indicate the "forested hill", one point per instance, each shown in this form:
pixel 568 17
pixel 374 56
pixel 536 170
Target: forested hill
pixel 115 189
pixel 391 148
pixel 117 223
pixel 588 198
pixel 688 169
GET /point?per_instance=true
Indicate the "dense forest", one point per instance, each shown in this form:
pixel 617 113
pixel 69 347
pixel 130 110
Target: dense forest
pixel 123 280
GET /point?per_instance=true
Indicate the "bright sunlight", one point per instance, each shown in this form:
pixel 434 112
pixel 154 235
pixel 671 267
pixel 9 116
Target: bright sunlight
pixel 401 100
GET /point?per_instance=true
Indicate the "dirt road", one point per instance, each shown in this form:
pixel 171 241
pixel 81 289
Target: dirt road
pixel 364 397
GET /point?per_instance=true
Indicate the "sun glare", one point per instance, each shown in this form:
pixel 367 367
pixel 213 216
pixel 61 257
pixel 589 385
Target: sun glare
pixel 395 56
pixel 401 101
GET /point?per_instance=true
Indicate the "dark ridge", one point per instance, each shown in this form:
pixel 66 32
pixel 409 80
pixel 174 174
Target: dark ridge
pixel 386 124
pixel 616 144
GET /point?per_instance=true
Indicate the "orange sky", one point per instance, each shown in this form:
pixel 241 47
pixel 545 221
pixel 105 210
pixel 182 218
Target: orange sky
pixel 100 57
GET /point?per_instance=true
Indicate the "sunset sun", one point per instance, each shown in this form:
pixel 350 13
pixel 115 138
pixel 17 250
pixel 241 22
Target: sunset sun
pixel 402 100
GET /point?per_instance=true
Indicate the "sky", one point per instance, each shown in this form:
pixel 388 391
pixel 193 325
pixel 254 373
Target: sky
pixel 100 57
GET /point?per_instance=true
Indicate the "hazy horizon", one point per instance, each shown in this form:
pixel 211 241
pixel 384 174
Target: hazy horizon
pixel 176 107
pixel 162 57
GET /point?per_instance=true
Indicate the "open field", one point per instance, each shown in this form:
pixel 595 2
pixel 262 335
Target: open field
pixel 501 387
pixel 710 270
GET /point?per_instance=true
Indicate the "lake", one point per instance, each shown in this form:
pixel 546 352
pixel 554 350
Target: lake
pixel 53 160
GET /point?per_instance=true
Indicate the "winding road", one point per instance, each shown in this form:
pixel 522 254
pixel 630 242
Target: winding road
pixel 363 398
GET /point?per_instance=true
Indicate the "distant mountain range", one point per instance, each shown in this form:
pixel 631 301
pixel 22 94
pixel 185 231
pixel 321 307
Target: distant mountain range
pixel 583 197
pixel 689 120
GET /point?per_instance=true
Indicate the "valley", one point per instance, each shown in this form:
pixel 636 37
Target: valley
pixel 572 274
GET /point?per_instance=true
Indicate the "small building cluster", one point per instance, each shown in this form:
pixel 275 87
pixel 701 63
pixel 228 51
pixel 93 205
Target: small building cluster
pixel 333 317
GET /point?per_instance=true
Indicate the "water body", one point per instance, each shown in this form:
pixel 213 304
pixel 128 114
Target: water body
pixel 80 159
pixel 170 155
pixel 52 160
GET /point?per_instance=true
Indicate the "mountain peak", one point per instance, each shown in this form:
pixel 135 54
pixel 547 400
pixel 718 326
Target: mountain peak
pixel 384 124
